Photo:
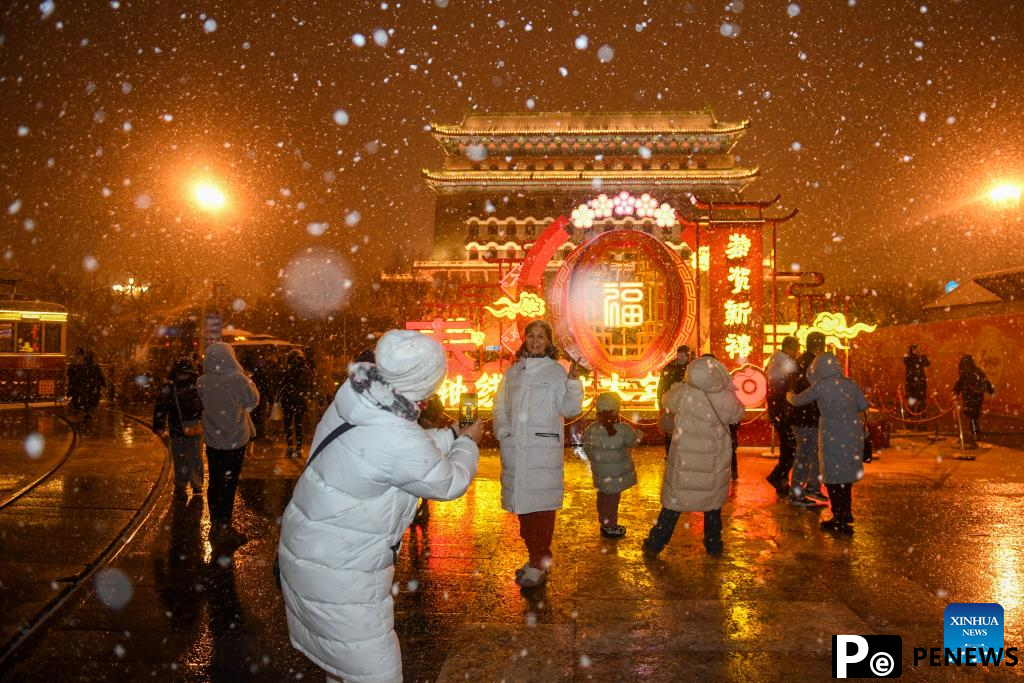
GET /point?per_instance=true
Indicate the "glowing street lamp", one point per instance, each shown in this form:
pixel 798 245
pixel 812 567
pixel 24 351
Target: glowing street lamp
pixel 1005 195
pixel 208 196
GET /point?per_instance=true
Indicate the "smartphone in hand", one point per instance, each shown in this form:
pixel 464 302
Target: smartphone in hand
pixel 467 409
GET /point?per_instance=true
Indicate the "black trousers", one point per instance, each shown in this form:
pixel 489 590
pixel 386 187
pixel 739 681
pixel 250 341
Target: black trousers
pixel 841 498
pixel 787 450
pixel 293 418
pixel 225 466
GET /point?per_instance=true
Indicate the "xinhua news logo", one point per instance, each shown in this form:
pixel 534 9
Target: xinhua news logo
pixel 867 656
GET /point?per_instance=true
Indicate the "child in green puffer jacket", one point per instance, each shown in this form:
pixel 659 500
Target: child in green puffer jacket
pixel 608 443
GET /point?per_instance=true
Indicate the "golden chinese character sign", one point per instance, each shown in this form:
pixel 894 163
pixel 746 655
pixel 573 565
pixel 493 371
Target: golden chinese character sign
pixel 737 293
pixel 623 301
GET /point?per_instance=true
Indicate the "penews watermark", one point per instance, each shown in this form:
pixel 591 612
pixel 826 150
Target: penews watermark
pixel 867 656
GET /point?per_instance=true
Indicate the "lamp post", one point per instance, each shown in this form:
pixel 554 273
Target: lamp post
pixel 209 198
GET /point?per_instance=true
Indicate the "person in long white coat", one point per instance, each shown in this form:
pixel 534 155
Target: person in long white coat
pixel 534 397
pixel 699 465
pixel 342 529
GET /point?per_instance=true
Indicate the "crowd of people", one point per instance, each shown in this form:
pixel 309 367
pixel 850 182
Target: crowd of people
pixel 383 449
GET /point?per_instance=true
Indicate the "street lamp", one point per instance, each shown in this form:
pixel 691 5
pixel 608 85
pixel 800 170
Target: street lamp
pixel 1005 196
pixel 208 196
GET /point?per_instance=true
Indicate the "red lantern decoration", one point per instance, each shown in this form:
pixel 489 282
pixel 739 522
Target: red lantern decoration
pixel 750 385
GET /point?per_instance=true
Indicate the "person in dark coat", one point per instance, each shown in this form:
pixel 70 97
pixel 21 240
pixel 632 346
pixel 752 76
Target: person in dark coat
pixel 178 408
pixel 806 486
pixel 916 381
pixel 780 369
pixel 76 380
pixel 92 385
pixel 296 387
pixel 671 374
pixel 263 379
pixel 972 385
pixel 840 401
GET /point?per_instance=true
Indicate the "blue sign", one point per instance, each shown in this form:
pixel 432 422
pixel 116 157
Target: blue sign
pixel 951 285
pixel 977 625
pixel 212 326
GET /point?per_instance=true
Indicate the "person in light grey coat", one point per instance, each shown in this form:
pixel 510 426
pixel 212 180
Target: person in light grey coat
pixel 228 397
pixel 840 434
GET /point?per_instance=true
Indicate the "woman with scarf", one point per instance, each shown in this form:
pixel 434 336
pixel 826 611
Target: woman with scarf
pixel 534 397
pixel 341 531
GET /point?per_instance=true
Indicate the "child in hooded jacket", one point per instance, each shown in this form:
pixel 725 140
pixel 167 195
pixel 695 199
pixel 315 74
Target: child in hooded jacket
pixel 607 443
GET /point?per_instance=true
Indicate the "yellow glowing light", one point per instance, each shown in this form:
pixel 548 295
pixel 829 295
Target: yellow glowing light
pixel 737 312
pixel 832 325
pixel 740 279
pixel 622 307
pixel 1005 194
pixel 703 260
pixel 738 247
pixel 738 345
pixel 208 196
pixel 529 305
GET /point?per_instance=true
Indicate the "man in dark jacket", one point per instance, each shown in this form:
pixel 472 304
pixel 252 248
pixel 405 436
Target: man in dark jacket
pixel 670 374
pixel 806 487
pixel 781 368
pixel 296 388
pixel 972 385
pixel 916 381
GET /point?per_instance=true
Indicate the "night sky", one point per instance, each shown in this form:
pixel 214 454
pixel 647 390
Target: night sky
pixel 883 122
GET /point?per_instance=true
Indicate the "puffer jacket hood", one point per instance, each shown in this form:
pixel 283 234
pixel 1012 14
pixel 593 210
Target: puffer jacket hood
pixel 220 359
pixel 824 366
pixel 708 375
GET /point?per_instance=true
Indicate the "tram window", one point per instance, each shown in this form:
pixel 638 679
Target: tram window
pixel 51 337
pixel 6 337
pixel 30 338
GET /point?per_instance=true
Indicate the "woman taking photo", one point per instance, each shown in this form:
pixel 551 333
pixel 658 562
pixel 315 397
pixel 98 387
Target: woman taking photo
pixel 531 403
pixel 341 531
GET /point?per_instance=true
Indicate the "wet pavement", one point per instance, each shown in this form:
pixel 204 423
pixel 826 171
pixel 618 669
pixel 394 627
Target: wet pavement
pixel 930 530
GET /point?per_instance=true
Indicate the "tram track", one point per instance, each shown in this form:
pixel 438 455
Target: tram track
pixel 10 649
pixel 72 447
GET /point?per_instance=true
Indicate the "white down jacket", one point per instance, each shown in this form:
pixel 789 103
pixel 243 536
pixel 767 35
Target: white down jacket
pixel 534 396
pixel 699 463
pixel 351 505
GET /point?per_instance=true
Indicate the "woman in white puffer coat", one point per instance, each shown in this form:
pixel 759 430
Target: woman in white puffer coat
pixel 699 465
pixel 530 405
pixel 350 508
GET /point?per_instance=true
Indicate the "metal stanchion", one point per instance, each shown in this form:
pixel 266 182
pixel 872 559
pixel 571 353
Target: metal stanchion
pixel 960 432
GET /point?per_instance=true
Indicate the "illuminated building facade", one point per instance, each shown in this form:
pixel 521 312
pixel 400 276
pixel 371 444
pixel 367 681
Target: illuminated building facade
pixel 604 224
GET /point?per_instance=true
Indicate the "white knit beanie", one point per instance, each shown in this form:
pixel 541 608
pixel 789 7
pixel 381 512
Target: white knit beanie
pixel 411 362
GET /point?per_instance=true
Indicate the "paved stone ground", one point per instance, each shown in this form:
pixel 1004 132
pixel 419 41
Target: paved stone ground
pixel 930 530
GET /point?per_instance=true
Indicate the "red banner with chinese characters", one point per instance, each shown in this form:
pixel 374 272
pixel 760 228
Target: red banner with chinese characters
pixel 736 277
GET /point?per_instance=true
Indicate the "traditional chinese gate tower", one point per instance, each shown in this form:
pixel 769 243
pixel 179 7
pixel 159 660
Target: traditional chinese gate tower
pixel 522 202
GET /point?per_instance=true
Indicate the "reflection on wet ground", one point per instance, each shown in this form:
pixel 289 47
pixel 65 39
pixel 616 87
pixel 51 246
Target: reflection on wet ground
pixel 930 530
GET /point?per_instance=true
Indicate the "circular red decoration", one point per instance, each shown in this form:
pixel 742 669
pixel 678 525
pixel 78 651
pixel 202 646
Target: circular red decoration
pixel 622 302
pixel 750 385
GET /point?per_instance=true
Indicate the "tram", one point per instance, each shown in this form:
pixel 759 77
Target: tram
pixel 33 351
